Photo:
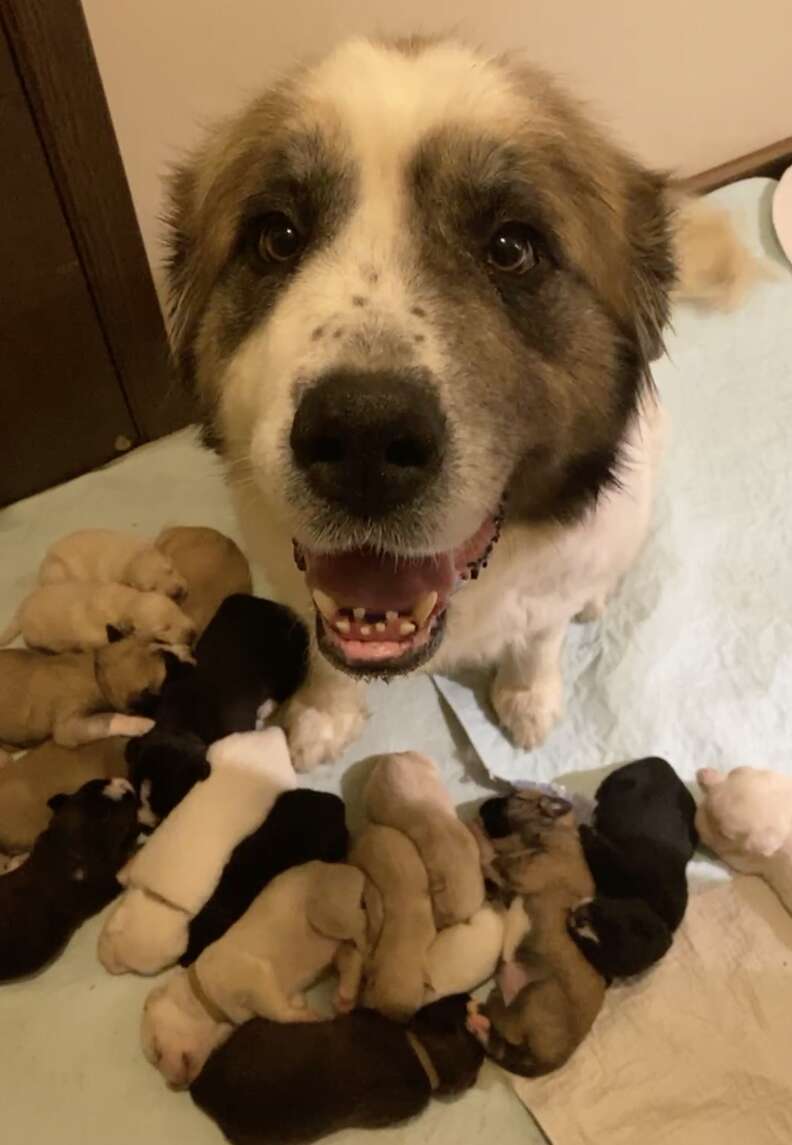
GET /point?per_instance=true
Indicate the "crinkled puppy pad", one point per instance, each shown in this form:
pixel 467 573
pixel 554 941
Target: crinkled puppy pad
pixel 696 1051
pixel 693 659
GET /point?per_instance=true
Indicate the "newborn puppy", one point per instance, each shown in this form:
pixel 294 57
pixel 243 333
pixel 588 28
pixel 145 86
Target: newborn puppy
pixel 272 1084
pixel 643 837
pixel 111 556
pixel 400 921
pixel 163 767
pixel 28 783
pixel 252 656
pixel 306 920
pixel 175 874
pixel 79 616
pixel 212 566
pixel 302 825
pixel 69 875
pixel 406 791
pixel 72 697
pixel 547 994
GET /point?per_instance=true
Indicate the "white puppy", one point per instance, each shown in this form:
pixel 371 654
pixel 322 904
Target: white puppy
pixel 75 616
pixel 111 555
pixel 306 920
pixel 174 874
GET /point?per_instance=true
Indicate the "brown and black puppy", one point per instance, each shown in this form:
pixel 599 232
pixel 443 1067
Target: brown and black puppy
pixel 547 994
pixel 277 1084
pixel 69 875
pixel 78 697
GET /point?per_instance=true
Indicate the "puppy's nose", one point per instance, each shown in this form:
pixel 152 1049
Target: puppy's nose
pixel 369 441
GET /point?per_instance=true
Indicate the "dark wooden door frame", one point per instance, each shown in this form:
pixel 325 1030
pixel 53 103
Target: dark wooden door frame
pixel 53 53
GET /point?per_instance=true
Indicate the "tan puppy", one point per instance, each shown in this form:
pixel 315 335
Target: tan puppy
pixel 306 920
pixel 406 791
pixel 75 697
pixel 212 566
pixel 109 555
pixel 26 785
pixel 74 617
pixel 548 994
pixel 400 922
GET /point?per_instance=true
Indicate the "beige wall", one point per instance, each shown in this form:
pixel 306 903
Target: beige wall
pixel 686 83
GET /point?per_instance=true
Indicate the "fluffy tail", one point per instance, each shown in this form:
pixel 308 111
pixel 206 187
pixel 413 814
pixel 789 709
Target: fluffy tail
pixel 714 267
pixel 10 633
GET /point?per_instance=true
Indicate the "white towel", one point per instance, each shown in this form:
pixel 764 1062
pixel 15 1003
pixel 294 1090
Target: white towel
pixel 696 1052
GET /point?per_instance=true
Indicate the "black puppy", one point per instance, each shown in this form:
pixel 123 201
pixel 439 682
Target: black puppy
pixel 275 1084
pixel 69 875
pixel 254 652
pixel 637 849
pixel 302 825
pixel 163 766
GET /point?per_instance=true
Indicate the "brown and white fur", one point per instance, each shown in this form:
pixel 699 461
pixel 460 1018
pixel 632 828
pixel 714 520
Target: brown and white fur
pixel 421 228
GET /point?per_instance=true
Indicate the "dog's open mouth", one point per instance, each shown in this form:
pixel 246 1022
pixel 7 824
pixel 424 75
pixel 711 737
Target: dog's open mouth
pixel 378 613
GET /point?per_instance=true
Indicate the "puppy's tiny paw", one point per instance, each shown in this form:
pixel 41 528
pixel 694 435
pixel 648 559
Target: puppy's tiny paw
pixel 320 724
pixel 529 714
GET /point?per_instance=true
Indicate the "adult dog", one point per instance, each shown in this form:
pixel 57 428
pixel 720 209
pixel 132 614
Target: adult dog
pixel 417 293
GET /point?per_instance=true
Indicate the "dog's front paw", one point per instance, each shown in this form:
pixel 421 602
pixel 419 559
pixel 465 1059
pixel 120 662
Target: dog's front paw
pixel 529 714
pixel 320 723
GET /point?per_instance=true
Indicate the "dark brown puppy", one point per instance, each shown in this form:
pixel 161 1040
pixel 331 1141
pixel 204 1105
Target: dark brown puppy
pixel 275 1084
pixel 69 875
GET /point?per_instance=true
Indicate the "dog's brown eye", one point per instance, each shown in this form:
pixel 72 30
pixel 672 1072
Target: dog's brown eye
pixel 512 250
pixel 279 239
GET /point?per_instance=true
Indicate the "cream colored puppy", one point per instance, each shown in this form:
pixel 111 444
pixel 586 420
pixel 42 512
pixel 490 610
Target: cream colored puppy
pixel 306 920
pixel 75 616
pixel 109 555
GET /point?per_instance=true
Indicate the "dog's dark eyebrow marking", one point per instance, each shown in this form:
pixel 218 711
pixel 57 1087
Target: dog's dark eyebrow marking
pixel 337 333
pixel 358 300
pixel 419 338
pixel 418 311
pixel 317 333
pixel 371 276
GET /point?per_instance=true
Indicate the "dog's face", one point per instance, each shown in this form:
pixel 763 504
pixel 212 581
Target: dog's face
pixel 412 285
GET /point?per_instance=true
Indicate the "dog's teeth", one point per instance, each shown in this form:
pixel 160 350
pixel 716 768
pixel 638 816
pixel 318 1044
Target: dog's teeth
pixel 326 605
pixel 391 616
pixel 380 627
pixel 423 608
pixel 343 626
pixel 359 613
pixel 406 628
pixel 365 630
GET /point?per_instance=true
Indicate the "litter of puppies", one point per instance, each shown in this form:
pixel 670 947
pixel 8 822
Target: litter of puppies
pixel 155 783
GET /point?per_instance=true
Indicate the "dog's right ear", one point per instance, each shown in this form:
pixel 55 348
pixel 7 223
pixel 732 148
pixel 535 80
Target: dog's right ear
pixel 113 634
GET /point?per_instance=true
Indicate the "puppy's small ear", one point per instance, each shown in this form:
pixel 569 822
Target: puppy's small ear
pixel 56 801
pixel 113 634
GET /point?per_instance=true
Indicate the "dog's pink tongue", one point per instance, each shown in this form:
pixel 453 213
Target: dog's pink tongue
pixel 361 578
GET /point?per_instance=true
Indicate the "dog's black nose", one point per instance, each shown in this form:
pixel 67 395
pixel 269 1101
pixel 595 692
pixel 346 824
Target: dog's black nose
pixel 369 441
